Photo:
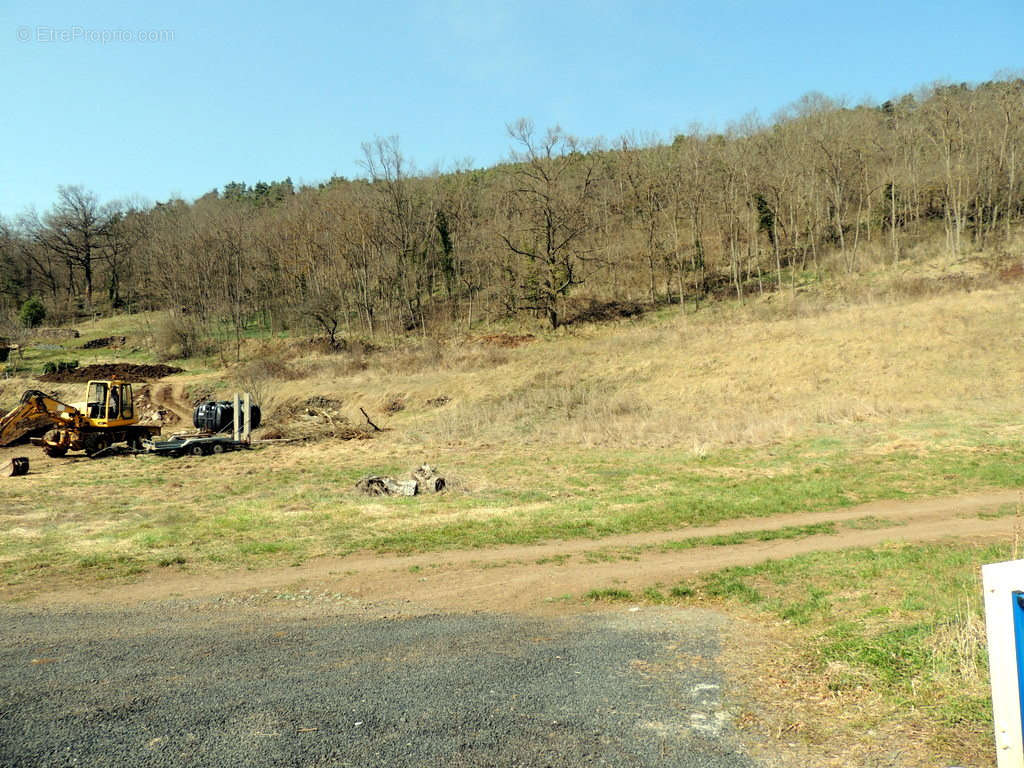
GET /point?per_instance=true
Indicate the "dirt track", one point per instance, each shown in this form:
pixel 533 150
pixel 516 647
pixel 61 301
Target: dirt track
pixel 532 578
pixel 171 396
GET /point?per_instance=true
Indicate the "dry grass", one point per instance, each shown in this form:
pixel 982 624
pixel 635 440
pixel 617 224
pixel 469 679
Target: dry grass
pixel 727 377
pixel 771 371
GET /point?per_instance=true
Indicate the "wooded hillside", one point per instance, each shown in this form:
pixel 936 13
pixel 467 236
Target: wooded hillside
pixel 758 208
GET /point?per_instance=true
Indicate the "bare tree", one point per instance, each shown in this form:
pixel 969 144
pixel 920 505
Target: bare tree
pixel 81 232
pixel 402 227
pixel 551 184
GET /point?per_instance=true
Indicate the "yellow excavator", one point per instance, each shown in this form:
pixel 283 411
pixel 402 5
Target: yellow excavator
pixel 106 417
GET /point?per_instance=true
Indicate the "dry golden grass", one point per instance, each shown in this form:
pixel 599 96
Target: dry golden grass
pixel 777 369
pixel 721 378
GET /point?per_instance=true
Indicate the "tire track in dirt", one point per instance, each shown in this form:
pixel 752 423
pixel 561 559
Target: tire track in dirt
pixel 172 396
pixel 535 578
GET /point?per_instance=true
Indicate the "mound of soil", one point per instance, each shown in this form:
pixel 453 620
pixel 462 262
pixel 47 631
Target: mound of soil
pixel 123 371
pixel 151 412
pixel 106 341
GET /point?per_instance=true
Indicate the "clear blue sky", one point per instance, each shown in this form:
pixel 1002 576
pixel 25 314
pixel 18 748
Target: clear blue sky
pixel 233 91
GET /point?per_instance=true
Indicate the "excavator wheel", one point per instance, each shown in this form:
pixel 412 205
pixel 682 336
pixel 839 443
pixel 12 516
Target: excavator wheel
pixel 56 451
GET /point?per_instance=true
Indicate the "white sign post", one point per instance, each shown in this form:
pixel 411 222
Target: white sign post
pixel 1001 582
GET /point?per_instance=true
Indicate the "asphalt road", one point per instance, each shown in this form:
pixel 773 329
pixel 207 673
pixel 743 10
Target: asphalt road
pixel 194 684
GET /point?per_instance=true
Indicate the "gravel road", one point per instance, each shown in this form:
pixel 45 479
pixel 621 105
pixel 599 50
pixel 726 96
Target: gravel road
pixel 197 683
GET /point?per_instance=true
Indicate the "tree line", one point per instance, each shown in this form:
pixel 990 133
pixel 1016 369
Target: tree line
pixel 758 207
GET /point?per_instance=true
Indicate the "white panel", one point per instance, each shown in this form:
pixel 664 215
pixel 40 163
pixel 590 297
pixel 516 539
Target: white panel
pixel 1000 581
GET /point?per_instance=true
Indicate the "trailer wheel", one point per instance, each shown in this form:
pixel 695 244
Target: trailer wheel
pixel 196 450
pixel 218 447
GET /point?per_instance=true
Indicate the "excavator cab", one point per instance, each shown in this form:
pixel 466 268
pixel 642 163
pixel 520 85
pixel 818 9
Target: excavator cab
pixel 110 404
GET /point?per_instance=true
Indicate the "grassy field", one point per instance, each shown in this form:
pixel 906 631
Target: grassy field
pixel 673 421
pixel 280 506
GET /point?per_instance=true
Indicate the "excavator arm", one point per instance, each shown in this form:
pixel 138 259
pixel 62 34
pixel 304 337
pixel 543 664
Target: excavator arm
pixel 36 413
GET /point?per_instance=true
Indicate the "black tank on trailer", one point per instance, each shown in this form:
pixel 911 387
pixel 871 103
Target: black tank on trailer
pixel 219 416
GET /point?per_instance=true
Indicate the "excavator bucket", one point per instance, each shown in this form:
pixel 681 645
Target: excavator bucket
pixel 15 467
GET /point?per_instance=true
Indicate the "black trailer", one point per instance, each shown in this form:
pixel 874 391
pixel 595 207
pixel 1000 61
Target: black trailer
pixel 193 445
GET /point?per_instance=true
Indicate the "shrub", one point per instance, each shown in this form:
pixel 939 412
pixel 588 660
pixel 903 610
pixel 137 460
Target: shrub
pixel 32 313
pixel 181 335
pixel 61 366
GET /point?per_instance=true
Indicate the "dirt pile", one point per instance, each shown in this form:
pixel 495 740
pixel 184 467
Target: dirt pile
pixel 151 412
pixel 104 342
pixel 123 371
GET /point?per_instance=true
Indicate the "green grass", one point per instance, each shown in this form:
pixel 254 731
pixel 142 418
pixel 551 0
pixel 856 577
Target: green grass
pixel 786 532
pixel 1004 510
pixel 871 523
pixel 251 510
pixel 905 622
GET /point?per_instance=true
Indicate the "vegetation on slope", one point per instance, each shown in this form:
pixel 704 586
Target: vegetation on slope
pixel 822 190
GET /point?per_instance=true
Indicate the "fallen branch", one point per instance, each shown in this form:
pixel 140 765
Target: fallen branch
pixel 376 428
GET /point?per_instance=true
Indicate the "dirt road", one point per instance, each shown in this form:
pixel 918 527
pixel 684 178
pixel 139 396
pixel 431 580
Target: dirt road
pixel 536 578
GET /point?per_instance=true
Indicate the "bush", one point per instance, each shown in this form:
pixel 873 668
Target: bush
pixel 61 366
pixel 32 313
pixel 181 335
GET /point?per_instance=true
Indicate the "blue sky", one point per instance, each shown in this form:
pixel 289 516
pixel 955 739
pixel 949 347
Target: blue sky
pixel 232 91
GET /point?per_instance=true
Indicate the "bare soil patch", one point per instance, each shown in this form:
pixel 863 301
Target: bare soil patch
pixel 123 371
pixel 594 311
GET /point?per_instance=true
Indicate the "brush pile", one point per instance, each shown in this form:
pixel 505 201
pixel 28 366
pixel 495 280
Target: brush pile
pixel 314 418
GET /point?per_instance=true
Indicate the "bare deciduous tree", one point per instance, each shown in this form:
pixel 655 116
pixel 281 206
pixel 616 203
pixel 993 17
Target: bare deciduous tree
pixel 551 183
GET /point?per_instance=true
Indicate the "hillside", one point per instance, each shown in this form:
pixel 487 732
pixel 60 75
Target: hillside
pixel 822 192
